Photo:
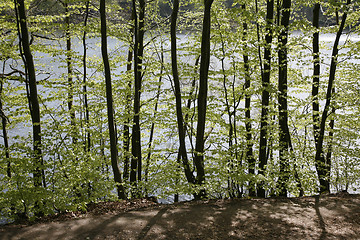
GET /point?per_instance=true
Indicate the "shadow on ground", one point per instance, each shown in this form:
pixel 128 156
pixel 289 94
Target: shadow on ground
pixel 328 217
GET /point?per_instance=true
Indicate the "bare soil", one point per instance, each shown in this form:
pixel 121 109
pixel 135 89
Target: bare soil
pixel 317 217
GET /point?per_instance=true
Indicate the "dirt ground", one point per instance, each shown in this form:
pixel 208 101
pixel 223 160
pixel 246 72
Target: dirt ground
pixel 324 217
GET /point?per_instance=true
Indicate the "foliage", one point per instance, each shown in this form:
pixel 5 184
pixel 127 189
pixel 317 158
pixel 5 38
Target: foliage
pixel 76 176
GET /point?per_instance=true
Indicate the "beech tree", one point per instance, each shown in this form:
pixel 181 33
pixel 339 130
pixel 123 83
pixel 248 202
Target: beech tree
pixel 110 107
pixel 202 98
pixel 323 164
pixel 179 114
pixel 213 101
pixel 249 136
pixel 284 135
pixel 139 31
pixel 265 96
pixel 84 81
pixel 32 93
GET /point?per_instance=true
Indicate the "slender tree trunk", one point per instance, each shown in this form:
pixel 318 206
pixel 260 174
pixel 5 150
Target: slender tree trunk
pixel 189 117
pixel 4 121
pixel 136 162
pixel 33 95
pixel 86 103
pixel 152 128
pixel 39 171
pixel 322 166
pixel 249 145
pixel 332 121
pixel 126 132
pixel 282 99
pixel 259 40
pixel 140 52
pixel 110 108
pixel 265 97
pixel 202 97
pixel 180 121
pixel 136 145
pixel 231 109
pixel 331 136
pixel 316 73
pixel 230 162
pixel 70 73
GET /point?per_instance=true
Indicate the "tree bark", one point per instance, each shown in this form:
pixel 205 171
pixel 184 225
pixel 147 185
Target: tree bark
pixel 136 161
pixel 323 166
pixel 85 93
pixel 282 99
pixel 202 98
pixel 110 108
pixel 179 115
pixel 265 96
pixel 34 107
pixel 126 132
pixel 4 121
pixel 70 73
pixel 249 145
pixel 316 73
pixel 33 94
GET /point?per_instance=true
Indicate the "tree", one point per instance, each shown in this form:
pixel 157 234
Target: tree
pixel 284 136
pixel 316 73
pixel 85 91
pixel 126 132
pixel 110 107
pixel 323 164
pixel 180 120
pixel 4 121
pixel 32 91
pixel 240 120
pixel 249 145
pixel 139 31
pixel 265 96
pixel 69 69
pixel 202 97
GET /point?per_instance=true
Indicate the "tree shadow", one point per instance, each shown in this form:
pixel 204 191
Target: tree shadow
pixel 295 218
pixel 151 223
pixel 320 218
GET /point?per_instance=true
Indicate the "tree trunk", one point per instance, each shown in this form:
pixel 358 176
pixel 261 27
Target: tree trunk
pixel 110 108
pixel 152 128
pixel 322 165
pixel 331 136
pixel 316 74
pixel 39 171
pixel 86 104
pixel 249 145
pixel 126 132
pixel 136 162
pixel 230 161
pixel 265 96
pixel 282 99
pixel 4 121
pixel 33 95
pixel 202 98
pixel 70 73
pixel 180 120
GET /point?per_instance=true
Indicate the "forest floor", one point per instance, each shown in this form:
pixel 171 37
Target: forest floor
pixel 325 217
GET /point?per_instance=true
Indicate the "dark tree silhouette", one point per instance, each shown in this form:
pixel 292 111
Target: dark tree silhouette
pixel 180 120
pixel 110 107
pixel 323 164
pixel 202 97
pixel 265 96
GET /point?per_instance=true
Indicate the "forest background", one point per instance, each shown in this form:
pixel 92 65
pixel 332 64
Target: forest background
pixel 103 100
